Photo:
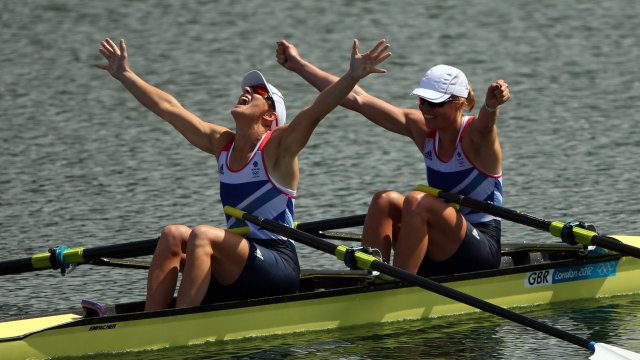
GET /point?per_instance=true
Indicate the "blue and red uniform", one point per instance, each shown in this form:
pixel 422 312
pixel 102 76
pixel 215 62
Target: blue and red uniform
pixel 272 267
pixel 480 248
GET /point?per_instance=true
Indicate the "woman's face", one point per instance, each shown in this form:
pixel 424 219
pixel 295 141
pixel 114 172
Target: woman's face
pixel 441 115
pixel 254 100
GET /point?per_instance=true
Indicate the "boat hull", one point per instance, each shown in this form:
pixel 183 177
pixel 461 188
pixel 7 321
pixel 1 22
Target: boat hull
pixel 358 300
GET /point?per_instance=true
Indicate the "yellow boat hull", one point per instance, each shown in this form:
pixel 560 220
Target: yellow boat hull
pixel 378 301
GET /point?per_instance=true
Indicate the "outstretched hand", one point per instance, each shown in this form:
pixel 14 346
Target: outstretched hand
pixel 497 94
pixel 116 56
pixel 365 64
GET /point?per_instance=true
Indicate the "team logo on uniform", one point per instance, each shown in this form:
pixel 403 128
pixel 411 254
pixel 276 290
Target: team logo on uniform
pixel 255 172
pixel 460 159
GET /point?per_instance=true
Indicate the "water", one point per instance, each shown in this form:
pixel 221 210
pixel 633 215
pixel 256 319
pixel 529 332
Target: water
pixel 84 165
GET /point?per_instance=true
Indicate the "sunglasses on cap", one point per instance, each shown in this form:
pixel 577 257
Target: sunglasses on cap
pixel 433 105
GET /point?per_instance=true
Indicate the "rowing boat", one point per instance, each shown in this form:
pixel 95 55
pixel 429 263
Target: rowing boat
pixel 529 275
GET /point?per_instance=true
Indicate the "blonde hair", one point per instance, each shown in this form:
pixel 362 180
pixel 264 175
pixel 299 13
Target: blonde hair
pixel 471 99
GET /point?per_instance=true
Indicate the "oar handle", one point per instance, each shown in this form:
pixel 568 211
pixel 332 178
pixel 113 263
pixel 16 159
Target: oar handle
pixel 283 230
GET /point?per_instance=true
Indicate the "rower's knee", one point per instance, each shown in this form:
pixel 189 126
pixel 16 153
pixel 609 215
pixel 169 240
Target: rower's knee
pixel 205 238
pixel 386 200
pixel 419 203
pixel 173 239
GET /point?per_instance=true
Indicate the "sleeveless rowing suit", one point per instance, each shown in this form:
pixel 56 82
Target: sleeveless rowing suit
pixel 481 247
pixel 272 267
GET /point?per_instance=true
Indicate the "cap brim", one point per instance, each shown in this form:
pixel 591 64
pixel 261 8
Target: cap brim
pixel 430 95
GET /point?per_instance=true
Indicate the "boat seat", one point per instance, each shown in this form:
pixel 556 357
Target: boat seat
pixel 519 254
pixel 324 279
pixel 506 262
pixel 509 261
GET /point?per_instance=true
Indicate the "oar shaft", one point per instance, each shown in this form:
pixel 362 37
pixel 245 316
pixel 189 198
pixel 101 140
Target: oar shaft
pixel 283 230
pixel 615 245
pixel 76 256
pixel 16 266
pixel 582 236
pixel 477 303
pixel 588 237
pixel 367 261
pixel 485 207
pixel 131 249
pixel 79 255
pixel 331 224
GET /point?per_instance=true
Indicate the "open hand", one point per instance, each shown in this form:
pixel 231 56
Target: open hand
pixel 116 56
pixel 365 64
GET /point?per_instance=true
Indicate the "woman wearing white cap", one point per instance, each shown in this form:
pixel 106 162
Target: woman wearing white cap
pixel 258 168
pixel 462 155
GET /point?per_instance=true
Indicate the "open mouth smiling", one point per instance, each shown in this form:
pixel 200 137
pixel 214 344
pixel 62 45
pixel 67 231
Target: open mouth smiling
pixel 245 99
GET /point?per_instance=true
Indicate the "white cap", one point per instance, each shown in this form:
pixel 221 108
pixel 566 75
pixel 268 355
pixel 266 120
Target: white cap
pixel 254 77
pixel 440 82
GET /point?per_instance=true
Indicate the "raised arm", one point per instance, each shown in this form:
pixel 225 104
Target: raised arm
pixel 376 110
pixel 296 135
pixel 201 134
pixel 482 140
pixel 484 127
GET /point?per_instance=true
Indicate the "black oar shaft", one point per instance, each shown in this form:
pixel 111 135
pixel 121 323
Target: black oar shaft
pixel 330 248
pixel 297 235
pixel 582 236
pixel 331 224
pixel 78 255
pixel 131 249
pixel 615 245
pixel 480 304
pixel 495 210
pixel 16 266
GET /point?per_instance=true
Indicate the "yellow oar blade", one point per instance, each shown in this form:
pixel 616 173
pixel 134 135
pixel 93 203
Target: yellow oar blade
pixel 609 352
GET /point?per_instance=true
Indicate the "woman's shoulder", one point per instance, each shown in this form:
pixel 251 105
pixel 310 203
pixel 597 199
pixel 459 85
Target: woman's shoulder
pixel 222 142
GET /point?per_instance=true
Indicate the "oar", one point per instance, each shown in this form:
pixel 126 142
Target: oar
pixel 556 228
pixel 369 262
pixel 315 227
pixel 63 258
